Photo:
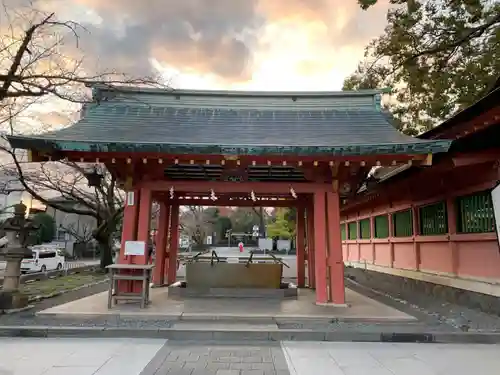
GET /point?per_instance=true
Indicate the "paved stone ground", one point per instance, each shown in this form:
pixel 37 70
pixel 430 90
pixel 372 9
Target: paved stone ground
pixel 214 358
pixel 28 318
pixel 76 357
pixel 433 313
pixel 70 356
pixel 307 358
pixel 138 356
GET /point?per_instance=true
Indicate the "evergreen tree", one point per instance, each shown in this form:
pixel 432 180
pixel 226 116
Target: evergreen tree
pixel 438 57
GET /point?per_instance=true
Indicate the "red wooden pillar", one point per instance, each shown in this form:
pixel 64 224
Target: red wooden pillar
pixel 174 245
pixel 300 243
pixel 416 232
pixel 335 261
pixel 129 227
pixel 310 246
pixel 391 238
pixel 143 229
pixel 320 247
pixel 452 229
pixel 129 233
pixel 161 244
pixel 143 233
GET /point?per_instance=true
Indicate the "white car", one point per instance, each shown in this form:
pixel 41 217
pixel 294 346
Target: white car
pixel 43 260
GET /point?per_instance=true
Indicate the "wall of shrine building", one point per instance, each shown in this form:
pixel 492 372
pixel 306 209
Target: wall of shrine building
pixel 447 239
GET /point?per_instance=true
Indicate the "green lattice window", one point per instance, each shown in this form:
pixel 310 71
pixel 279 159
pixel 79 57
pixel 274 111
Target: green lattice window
pixel 475 213
pixel 352 230
pixel 433 219
pixel 402 222
pixel 381 224
pixel 364 229
pixel 342 232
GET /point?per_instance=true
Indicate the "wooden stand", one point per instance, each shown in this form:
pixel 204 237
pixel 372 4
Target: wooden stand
pixel 138 272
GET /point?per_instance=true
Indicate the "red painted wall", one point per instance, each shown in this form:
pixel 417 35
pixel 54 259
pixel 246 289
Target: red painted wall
pixel 383 254
pixel 471 256
pixel 436 256
pixel 479 258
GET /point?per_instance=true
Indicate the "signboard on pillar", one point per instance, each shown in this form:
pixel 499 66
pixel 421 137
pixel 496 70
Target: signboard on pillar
pixel 495 197
pixel 130 198
pixel 135 247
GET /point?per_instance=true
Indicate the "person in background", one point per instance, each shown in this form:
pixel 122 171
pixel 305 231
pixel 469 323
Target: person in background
pixel 151 248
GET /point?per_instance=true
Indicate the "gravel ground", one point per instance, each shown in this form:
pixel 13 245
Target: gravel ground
pixel 435 311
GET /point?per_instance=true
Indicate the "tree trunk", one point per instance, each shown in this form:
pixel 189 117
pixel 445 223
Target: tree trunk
pixel 106 253
pixel 105 249
pixel 262 223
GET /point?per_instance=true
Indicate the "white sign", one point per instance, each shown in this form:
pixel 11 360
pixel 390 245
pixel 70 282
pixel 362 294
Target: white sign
pixel 495 197
pixel 209 240
pixel 283 245
pixel 135 247
pixel 265 243
pixel 130 198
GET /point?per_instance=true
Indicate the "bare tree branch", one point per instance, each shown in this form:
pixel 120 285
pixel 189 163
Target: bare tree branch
pixel 36 64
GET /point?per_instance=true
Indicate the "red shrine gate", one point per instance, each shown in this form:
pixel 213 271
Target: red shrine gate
pixel 318 201
pixel 309 150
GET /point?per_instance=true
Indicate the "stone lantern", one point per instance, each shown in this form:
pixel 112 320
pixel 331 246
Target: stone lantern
pixel 17 230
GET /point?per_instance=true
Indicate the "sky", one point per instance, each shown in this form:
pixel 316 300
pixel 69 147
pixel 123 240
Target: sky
pixel 264 45
pixel 225 44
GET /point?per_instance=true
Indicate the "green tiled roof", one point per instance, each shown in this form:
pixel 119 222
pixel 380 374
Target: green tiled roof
pixel 238 123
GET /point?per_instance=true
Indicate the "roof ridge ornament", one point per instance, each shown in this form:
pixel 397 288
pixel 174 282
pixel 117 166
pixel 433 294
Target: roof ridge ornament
pixel 212 195
pixel 252 196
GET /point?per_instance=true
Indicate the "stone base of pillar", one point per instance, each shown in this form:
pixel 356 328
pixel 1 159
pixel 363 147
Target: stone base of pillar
pixel 331 304
pixel 13 300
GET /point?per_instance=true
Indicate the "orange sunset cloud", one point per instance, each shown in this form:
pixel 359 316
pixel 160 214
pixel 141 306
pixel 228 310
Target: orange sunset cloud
pixel 243 44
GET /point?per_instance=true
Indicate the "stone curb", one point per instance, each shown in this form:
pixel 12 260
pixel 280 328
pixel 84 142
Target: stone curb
pixel 59 293
pixel 229 318
pixel 249 335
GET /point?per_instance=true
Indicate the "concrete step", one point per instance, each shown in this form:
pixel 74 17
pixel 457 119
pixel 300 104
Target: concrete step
pixel 224 326
pixel 290 319
pixel 262 333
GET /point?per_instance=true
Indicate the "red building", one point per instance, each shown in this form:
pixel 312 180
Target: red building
pixel 307 150
pixel 435 224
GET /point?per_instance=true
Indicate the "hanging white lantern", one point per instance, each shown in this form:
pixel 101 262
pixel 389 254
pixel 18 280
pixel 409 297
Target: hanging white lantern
pixel 171 192
pixel 293 193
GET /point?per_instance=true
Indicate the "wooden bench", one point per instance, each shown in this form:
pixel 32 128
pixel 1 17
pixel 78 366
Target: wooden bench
pixel 137 272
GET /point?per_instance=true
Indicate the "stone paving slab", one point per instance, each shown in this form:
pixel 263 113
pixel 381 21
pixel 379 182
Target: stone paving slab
pixel 216 325
pixel 66 356
pixel 215 358
pixel 309 358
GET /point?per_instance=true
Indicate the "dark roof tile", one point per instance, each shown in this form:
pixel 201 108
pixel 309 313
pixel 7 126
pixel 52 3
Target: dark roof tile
pixel 329 122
